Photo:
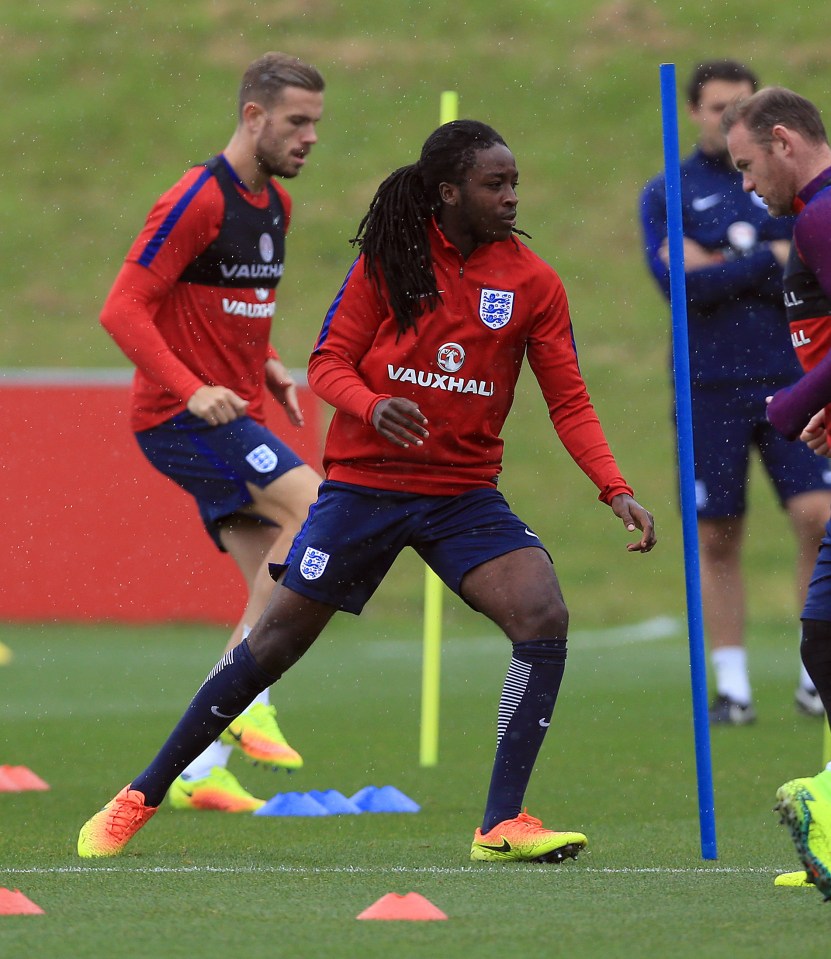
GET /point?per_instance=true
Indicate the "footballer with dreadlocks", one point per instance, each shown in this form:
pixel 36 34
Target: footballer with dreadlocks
pixel 419 355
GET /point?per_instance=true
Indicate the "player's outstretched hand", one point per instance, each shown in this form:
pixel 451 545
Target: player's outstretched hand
pixel 400 421
pixel 634 516
pixel 283 388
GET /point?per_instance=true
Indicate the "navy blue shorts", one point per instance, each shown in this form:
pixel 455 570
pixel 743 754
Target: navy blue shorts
pixel 727 422
pixel 214 463
pixel 353 534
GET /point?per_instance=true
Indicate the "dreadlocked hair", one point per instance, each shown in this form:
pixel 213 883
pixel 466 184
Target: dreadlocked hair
pixel 393 235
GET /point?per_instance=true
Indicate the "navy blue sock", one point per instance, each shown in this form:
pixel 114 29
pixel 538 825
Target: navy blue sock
pixel 525 709
pixel 816 655
pixel 229 688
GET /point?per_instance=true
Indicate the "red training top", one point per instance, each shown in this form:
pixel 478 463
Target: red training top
pixel 497 306
pixel 183 335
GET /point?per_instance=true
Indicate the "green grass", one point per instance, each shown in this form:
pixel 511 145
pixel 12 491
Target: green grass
pixel 86 708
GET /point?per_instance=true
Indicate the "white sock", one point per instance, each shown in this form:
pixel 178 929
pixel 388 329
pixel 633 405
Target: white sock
pixel 805 681
pixel 215 755
pixel 730 668
pixel 261 698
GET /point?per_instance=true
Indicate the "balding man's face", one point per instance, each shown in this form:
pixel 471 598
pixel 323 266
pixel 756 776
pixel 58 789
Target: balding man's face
pixel 763 169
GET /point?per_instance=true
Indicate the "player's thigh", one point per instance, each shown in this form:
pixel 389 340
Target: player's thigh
pixel 348 544
pixel 286 499
pixel 239 467
pixel 808 513
pixel 288 626
pixel 249 542
pixel 518 591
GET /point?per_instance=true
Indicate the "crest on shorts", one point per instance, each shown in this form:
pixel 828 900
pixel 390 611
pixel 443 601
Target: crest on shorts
pixel 263 458
pixel 313 563
pixel 496 307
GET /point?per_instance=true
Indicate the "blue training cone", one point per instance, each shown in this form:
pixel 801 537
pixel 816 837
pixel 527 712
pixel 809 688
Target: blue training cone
pixel 385 799
pixel 335 802
pixel 292 804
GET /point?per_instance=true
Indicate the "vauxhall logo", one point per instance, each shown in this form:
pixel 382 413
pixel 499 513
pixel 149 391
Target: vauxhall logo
pixel 252 271
pixel 252 311
pixel 256 271
pixel 450 358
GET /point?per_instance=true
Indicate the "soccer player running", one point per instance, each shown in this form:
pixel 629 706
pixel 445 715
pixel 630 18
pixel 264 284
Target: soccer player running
pixel 192 309
pixel 779 145
pixel 420 354
pixel 739 350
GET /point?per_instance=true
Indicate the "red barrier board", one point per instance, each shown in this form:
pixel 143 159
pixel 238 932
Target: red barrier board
pixel 91 531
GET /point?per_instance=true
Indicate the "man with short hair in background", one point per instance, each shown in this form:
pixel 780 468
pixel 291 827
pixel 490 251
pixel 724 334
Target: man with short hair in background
pixel 739 351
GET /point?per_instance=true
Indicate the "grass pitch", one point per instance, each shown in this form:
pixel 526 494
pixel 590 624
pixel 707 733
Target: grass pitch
pixel 86 708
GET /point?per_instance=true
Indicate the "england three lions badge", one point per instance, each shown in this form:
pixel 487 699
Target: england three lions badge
pixel 495 308
pixel 263 458
pixel 313 563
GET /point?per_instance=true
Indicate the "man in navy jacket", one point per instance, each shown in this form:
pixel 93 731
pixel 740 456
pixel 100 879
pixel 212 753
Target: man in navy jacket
pixel 740 352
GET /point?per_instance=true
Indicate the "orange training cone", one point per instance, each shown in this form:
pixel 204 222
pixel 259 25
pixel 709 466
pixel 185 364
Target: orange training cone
pixel 16 904
pixel 412 906
pixel 20 779
pixel 7 784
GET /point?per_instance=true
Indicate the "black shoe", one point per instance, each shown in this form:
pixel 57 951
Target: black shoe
pixel 726 711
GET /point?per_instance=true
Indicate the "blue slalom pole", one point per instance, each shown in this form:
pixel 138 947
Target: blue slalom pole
pixel 683 414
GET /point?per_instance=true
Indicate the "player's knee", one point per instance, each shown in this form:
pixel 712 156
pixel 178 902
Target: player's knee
pixel 544 620
pixel 556 621
pixel 720 550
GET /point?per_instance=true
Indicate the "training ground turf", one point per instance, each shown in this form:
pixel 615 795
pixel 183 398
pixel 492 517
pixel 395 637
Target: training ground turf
pixel 85 708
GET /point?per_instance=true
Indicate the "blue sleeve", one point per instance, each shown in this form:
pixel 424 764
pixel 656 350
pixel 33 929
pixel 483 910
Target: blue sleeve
pixel 653 213
pixel 757 273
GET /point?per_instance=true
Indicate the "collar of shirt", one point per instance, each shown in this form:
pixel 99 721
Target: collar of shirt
pixel 809 191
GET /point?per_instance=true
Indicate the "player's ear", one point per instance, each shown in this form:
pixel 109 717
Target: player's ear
pixel 252 115
pixel 449 193
pixel 782 135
